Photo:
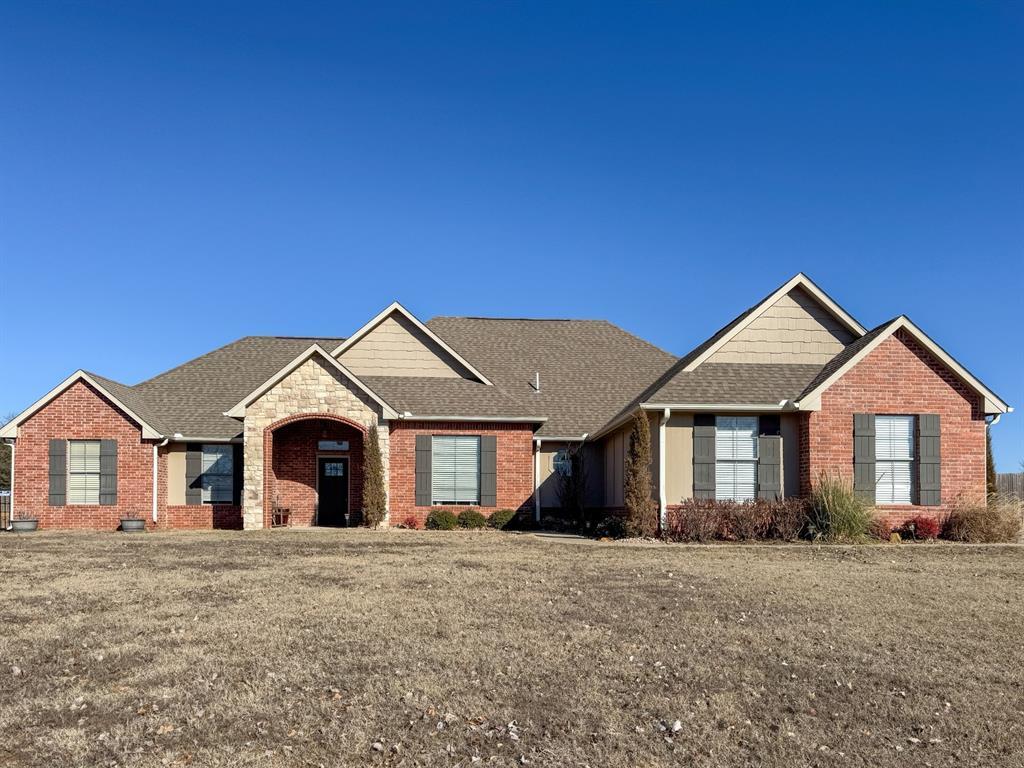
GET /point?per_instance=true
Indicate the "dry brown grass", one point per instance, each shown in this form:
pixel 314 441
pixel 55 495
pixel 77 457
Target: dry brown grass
pixel 303 649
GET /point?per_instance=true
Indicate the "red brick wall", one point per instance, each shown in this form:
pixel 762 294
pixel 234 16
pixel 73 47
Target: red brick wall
pixel 82 413
pixel 515 466
pixel 292 477
pixel 899 377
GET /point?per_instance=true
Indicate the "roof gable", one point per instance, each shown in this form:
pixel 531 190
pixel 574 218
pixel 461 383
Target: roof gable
pixel 395 342
pixel 734 340
pixel 810 399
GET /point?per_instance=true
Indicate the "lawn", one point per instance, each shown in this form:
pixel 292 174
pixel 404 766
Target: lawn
pixel 293 648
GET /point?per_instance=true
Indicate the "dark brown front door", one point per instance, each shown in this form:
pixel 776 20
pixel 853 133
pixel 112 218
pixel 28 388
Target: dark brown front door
pixel 332 484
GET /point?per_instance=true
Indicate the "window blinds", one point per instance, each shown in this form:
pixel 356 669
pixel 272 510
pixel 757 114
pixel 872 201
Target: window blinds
pixel 455 470
pixel 736 457
pixel 84 472
pixel 894 457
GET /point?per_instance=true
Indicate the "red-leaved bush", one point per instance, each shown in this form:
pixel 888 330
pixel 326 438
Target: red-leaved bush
pixel 922 527
pixel 709 519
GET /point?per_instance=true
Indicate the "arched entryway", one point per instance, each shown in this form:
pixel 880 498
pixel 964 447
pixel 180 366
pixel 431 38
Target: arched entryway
pixel 313 468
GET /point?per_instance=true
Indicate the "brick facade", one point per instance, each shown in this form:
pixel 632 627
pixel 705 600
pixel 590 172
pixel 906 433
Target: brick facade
pixel 82 413
pixel 899 377
pixel 514 460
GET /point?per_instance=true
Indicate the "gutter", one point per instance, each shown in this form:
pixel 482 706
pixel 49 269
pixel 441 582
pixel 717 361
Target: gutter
pixel 156 474
pixel 10 513
pixel 662 497
pixel 407 416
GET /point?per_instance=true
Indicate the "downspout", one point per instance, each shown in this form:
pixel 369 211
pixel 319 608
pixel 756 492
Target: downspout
pixel 662 500
pixel 536 479
pixel 156 447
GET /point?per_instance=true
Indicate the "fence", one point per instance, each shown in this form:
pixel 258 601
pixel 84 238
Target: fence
pixel 5 509
pixel 1011 483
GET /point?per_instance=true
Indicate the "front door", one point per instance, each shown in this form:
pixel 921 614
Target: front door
pixel 332 487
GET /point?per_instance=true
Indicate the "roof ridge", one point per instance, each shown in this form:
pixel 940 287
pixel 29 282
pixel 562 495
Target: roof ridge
pixel 524 319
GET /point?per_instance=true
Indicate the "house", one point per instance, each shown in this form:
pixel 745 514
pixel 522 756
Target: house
pixel 481 412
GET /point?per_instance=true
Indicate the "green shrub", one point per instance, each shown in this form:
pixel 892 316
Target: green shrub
pixel 375 499
pixel 471 518
pixel 501 518
pixel 611 527
pixel 837 513
pixel 997 521
pixel 442 520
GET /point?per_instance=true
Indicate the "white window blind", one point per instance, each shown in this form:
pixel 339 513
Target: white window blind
pixel 455 470
pixel 894 459
pixel 736 458
pixel 218 474
pixel 84 472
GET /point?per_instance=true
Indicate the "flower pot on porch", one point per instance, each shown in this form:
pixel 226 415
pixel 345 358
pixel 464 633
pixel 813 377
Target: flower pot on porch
pixel 133 524
pixel 24 526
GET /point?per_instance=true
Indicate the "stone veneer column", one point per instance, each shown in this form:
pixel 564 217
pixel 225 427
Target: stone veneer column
pixel 313 388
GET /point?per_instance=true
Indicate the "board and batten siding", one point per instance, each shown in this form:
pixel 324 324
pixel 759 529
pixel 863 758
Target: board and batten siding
pixel 396 347
pixel 615 447
pixel 795 329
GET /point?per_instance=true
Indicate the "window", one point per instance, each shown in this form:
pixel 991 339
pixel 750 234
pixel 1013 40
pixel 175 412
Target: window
pixel 561 463
pixel 894 457
pixel 455 470
pixel 217 480
pixel 84 472
pixel 735 458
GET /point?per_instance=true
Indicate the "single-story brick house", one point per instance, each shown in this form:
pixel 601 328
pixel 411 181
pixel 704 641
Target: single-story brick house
pixel 481 411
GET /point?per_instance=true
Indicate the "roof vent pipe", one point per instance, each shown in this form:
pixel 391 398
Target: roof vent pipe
pixel 536 381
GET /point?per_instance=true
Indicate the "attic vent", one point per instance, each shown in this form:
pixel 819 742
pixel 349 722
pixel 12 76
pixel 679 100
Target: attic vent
pixel 536 381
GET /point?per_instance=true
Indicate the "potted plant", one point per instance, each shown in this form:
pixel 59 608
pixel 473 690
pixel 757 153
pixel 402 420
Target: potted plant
pixel 133 524
pixel 24 524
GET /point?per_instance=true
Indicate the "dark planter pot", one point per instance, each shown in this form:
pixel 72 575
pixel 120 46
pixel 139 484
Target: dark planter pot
pixel 24 526
pixel 133 524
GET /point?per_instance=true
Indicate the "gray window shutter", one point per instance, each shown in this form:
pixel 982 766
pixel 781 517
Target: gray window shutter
pixel 423 468
pixel 864 456
pixel 929 487
pixel 769 467
pixel 193 472
pixel 108 472
pixel 704 456
pixel 488 471
pixel 58 473
pixel 237 481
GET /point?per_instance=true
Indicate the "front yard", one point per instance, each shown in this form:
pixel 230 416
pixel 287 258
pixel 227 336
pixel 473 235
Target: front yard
pixel 331 648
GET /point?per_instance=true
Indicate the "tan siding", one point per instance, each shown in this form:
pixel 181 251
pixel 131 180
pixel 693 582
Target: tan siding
pixel 396 347
pixel 548 479
pixel 795 329
pixel 679 458
pixel 614 465
pixel 790 428
pixel 176 474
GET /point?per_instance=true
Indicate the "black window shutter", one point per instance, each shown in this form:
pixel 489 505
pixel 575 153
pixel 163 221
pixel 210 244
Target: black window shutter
pixel 704 456
pixel 108 472
pixel 864 456
pixel 929 466
pixel 58 473
pixel 488 471
pixel 193 475
pixel 237 480
pixel 423 470
pixel 769 467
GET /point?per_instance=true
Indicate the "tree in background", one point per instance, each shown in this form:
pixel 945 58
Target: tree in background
pixel 990 464
pixel 5 459
pixel 572 484
pixel 641 515
pixel 375 499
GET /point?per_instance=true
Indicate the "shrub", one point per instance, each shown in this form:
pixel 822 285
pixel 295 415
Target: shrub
pixel 641 509
pixel 695 520
pixel 501 519
pixel 789 519
pixel 748 521
pixel 611 527
pixel 375 500
pixel 880 530
pixel 997 521
pixel 471 518
pixel 921 527
pixel 411 522
pixel 441 520
pixel 837 513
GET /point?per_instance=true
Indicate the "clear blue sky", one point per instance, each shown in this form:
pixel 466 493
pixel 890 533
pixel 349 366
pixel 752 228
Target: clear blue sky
pixel 174 176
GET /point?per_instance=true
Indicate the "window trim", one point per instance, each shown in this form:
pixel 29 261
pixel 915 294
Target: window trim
pixel 733 462
pixel 911 462
pixel 434 502
pixel 68 473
